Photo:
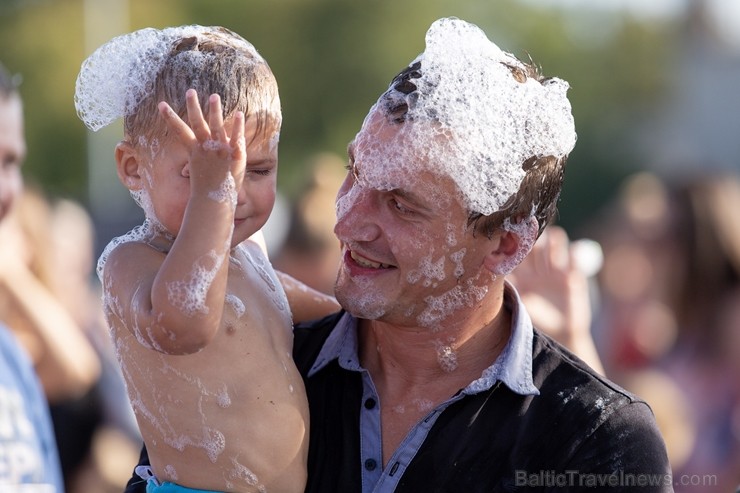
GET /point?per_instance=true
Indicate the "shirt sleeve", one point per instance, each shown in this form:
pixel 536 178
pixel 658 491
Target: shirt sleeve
pixel 625 453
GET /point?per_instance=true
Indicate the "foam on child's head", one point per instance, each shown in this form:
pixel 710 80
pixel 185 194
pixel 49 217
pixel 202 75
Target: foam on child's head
pixel 119 75
pixel 470 111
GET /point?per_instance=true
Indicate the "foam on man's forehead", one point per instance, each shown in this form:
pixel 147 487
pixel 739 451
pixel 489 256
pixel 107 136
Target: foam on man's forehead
pixel 121 73
pixel 465 115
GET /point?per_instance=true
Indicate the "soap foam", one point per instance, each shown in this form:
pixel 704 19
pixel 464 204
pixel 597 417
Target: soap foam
pixel 468 118
pixel 189 296
pixel 122 72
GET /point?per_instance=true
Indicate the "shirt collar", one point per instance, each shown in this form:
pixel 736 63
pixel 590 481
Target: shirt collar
pixel 513 367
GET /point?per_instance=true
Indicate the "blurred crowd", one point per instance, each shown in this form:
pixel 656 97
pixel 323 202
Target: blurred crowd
pixel 667 324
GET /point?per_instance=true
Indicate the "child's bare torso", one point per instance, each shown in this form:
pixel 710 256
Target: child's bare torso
pixel 233 416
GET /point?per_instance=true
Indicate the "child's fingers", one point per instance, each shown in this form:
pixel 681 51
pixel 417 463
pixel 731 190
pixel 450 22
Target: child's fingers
pixel 195 115
pixel 174 122
pixel 237 132
pixel 215 118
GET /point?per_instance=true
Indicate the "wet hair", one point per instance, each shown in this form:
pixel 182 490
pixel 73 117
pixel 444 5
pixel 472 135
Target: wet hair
pixel 537 196
pixel 539 190
pixel 212 62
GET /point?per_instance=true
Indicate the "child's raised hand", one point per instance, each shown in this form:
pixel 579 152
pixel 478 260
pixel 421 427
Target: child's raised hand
pixel 215 156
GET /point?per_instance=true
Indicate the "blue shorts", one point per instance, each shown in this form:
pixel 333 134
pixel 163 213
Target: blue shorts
pixel 167 487
pixel 154 486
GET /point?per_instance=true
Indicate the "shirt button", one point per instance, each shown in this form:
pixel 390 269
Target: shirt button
pixel 370 403
pixel 370 464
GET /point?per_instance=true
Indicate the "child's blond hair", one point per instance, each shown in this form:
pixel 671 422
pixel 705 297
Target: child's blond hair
pixel 130 74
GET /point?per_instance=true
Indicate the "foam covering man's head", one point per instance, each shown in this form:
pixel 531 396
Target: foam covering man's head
pixel 470 111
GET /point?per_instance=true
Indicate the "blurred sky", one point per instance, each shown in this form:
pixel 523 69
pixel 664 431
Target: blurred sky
pixel 725 14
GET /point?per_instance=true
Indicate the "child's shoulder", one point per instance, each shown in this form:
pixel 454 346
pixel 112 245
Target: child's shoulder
pixel 128 251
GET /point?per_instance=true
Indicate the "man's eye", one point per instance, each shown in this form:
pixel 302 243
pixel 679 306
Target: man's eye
pixel 400 207
pixel 352 169
pixel 261 172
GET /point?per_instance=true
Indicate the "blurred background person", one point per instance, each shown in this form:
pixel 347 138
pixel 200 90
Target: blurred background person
pixel 28 449
pixel 63 357
pixel 48 300
pixel 554 282
pixel 669 326
pixel 310 251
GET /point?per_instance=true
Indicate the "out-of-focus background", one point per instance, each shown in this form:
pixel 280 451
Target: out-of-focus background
pixel 653 177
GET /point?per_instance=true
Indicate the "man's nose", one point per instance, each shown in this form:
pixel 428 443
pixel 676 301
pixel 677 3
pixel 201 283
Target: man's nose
pixel 357 215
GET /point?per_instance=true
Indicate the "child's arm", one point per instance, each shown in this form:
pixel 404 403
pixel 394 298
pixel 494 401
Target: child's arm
pixel 177 300
pixel 305 302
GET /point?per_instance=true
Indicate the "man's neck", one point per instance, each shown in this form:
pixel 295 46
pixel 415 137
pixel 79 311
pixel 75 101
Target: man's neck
pixel 465 345
pixel 415 369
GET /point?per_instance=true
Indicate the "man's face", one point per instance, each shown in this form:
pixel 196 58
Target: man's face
pixel 408 254
pixel 12 151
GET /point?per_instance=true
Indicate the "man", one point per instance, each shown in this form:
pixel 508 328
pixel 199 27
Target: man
pixel 28 454
pixel 434 379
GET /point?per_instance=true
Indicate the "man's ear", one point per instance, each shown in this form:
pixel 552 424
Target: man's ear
pixel 128 165
pixel 511 246
pixel 505 246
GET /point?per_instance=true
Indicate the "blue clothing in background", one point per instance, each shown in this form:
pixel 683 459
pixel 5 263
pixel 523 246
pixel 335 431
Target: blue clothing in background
pixel 28 452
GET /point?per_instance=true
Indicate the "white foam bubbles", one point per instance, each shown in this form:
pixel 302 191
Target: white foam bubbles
pixel 189 296
pixel 264 269
pixel 236 304
pixel 527 232
pixel 457 258
pixel 467 106
pixel 428 272
pixel 371 304
pixel 140 233
pixel 121 73
pixel 223 398
pixel 446 355
pixel 439 307
pixel 171 472
pixel 423 405
pixel 244 474
pixel 226 193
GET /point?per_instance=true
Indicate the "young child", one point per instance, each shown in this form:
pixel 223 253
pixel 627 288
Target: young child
pixel 200 321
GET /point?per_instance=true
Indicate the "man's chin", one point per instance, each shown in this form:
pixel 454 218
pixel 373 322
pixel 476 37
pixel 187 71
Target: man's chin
pixel 359 302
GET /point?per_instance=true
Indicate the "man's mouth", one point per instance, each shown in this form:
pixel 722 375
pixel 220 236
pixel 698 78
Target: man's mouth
pixel 364 262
